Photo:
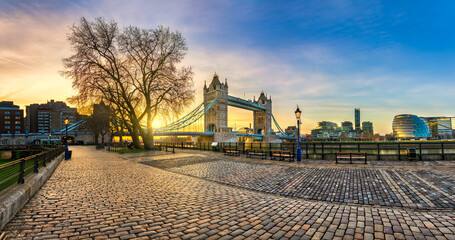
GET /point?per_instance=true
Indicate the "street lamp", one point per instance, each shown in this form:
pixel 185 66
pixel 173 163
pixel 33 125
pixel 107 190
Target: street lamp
pixel 67 121
pixel 299 151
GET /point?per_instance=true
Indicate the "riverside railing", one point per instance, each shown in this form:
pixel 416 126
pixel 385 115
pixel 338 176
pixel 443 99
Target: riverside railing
pixel 16 170
pixel 431 150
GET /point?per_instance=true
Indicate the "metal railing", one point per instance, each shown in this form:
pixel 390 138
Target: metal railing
pixel 16 170
pixel 439 150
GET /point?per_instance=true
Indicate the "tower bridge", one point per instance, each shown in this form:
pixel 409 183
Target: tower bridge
pixel 216 119
pixel 214 112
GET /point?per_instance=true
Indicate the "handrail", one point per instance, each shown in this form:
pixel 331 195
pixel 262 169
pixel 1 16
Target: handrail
pixel 17 170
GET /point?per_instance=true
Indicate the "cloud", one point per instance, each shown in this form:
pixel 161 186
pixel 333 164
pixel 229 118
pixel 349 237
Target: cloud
pixel 326 62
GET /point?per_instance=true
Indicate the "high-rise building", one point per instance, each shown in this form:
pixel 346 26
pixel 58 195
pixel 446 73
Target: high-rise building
pixel 11 118
pixel 357 119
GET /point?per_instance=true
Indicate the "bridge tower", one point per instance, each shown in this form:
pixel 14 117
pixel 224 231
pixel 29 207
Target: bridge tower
pixel 216 118
pixel 263 119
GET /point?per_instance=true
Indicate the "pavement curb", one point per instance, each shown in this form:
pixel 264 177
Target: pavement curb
pixel 15 197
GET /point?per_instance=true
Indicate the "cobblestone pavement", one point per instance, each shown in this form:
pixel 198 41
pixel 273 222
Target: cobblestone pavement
pixel 105 195
pixel 381 186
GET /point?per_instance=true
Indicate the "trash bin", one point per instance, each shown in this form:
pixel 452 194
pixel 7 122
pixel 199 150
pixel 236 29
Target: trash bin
pixel 412 155
pixel 69 155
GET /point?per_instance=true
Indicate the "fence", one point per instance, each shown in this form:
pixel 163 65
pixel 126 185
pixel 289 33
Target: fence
pixel 16 171
pixel 326 150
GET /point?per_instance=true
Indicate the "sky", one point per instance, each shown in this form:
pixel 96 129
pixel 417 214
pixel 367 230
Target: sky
pixel 328 57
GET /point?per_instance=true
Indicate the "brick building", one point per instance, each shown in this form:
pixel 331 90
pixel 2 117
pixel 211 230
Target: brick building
pixel 11 118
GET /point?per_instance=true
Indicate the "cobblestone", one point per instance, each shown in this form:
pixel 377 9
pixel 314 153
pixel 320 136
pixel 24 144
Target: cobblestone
pixel 105 195
pixel 400 188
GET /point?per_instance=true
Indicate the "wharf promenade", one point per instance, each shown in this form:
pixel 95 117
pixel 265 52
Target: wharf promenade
pixel 204 195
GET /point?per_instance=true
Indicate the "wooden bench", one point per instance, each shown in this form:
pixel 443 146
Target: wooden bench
pixel 351 156
pixel 282 155
pixel 260 153
pixel 231 152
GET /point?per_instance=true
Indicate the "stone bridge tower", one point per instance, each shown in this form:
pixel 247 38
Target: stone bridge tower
pixel 216 119
pixel 263 119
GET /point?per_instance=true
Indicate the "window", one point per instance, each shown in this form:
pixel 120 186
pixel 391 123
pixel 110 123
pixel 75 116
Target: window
pixel 18 127
pixel 17 122
pixel 6 117
pixel 18 131
pixel 7 112
pixel 7 127
pixel 18 113
pixel 18 117
pixel 7 122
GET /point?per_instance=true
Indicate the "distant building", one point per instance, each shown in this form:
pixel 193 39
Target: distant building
pixel 325 130
pixel 99 122
pixel 327 125
pixel 290 130
pixel 408 126
pixel 49 117
pixel 441 127
pixel 330 131
pixel 346 126
pixel 367 127
pixel 357 119
pixel 11 118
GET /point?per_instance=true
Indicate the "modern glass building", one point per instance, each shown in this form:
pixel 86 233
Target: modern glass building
pixel 406 126
pixel 441 127
pixel 357 119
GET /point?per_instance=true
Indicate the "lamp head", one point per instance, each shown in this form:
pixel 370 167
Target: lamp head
pixel 298 113
pixel 67 121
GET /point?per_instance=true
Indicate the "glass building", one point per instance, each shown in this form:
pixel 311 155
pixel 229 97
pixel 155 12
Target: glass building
pixel 408 126
pixel 357 119
pixel 441 127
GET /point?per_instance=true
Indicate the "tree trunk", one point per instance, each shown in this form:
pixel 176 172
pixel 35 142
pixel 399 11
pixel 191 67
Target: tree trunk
pixel 121 135
pixel 135 137
pixel 149 134
pixel 96 138
pixel 145 139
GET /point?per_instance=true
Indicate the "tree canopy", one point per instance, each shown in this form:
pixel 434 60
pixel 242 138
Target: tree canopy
pixel 135 71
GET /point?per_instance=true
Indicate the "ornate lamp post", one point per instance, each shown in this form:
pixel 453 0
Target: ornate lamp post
pixel 299 151
pixel 67 121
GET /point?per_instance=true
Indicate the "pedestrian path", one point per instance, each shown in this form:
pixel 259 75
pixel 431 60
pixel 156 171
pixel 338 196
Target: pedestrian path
pixel 99 194
pixel 414 187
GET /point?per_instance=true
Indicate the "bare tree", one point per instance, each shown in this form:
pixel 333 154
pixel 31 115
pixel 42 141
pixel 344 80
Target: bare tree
pixel 135 70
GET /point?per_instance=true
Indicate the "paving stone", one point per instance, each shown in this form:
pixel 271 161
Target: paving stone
pixel 98 194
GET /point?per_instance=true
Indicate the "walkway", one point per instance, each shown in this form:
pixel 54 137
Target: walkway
pixel 105 195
